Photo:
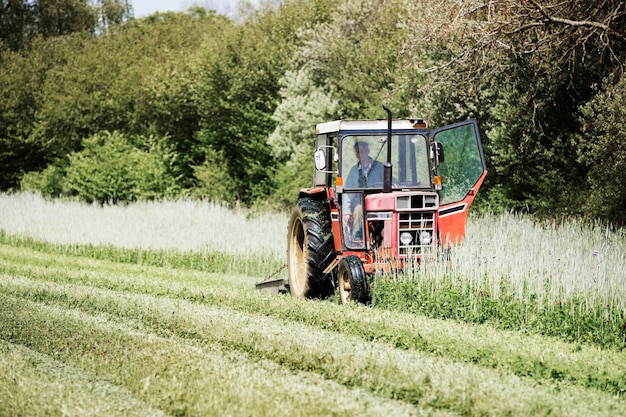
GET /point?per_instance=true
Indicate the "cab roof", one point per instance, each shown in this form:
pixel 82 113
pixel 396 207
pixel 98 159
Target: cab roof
pixel 367 125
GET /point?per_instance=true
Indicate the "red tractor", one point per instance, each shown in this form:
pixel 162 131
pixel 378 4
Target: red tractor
pixel 383 196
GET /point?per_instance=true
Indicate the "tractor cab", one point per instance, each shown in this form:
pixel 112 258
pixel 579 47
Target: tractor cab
pixel 365 202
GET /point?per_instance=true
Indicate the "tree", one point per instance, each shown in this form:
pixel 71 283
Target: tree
pixel 110 170
pixel 63 17
pixel 16 19
pixel 302 104
pixel 135 79
pixel 602 147
pixel 21 78
pixel 239 91
pixel 21 21
pixel 523 68
pixel 355 53
pixel 112 12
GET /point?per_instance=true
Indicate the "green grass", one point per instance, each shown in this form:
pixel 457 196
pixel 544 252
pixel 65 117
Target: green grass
pixel 571 320
pixel 165 336
pixel 220 262
pixel 105 312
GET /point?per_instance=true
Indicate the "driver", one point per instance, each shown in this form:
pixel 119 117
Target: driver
pixel 367 172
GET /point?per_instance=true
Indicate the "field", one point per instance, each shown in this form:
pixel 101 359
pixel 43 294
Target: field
pixel 150 309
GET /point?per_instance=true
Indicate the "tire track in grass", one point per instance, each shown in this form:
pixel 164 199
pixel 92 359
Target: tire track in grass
pixel 181 376
pixel 541 358
pixel 35 384
pixel 389 372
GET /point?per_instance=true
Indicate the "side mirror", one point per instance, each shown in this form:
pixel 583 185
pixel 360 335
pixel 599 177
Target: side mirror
pixel 320 160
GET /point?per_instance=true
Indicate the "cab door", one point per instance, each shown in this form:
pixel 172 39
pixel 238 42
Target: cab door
pixel 462 172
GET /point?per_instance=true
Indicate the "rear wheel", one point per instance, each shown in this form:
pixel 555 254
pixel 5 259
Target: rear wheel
pixel 310 249
pixel 352 280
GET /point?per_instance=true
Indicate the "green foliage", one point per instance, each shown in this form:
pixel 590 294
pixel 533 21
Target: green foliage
pixel 63 17
pixel 134 79
pixel 49 183
pixel 146 95
pixel 302 104
pixel 110 169
pixel 212 180
pixel 354 54
pixel 528 124
pixel 290 178
pixel 112 12
pixel 21 79
pixel 23 21
pixel 240 89
pixel 522 69
pixel 166 97
pixel 15 16
pixel 602 146
pixel 247 91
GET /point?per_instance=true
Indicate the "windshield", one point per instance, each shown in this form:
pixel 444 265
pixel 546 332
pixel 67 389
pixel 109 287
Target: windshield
pixel 363 158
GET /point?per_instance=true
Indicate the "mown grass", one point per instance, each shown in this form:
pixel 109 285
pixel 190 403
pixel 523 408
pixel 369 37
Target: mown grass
pixel 218 262
pixel 177 375
pixel 32 383
pixel 178 372
pixel 398 356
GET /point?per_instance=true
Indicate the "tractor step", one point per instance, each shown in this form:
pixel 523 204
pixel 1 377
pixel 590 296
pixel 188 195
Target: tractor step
pixel 277 286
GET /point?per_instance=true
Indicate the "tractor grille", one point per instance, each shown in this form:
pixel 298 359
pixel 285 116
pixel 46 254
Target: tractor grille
pixel 421 227
pixel 416 201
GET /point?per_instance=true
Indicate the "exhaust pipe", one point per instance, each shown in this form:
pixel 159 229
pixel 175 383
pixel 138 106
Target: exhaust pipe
pixel 387 167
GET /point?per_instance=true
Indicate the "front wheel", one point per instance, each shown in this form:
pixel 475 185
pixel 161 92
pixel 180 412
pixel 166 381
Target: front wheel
pixel 310 249
pixel 352 280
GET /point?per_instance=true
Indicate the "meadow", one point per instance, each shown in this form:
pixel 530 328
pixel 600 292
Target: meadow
pixel 150 309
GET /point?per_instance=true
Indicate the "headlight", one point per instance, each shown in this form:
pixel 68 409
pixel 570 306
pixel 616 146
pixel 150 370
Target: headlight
pixel 425 238
pixel 406 238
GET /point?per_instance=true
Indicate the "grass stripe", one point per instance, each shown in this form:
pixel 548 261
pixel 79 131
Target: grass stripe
pixel 179 376
pixel 541 358
pixel 215 262
pixel 393 373
pixel 35 384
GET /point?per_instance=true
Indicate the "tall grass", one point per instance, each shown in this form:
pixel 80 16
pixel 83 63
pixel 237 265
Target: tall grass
pixel 518 256
pixel 552 261
pixel 564 279
pixel 184 225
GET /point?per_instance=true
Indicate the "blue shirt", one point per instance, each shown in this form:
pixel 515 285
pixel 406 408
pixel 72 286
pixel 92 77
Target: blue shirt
pixel 365 178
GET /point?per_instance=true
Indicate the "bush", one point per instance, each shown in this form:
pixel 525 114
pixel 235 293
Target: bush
pixel 110 169
pixel 212 180
pixel 49 183
pixel 602 146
